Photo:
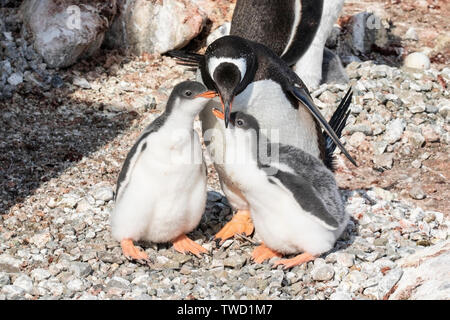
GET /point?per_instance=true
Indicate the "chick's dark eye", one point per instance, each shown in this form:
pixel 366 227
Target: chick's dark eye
pixel 240 122
pixel 188 93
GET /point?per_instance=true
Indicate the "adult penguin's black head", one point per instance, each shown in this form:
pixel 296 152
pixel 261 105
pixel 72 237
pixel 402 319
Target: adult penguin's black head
pixel 229 66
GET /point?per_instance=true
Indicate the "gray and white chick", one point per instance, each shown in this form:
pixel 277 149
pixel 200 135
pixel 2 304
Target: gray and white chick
pixel 161 189
pixel 294 199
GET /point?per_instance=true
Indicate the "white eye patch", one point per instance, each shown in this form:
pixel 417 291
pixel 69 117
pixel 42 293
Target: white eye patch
pixel 239 63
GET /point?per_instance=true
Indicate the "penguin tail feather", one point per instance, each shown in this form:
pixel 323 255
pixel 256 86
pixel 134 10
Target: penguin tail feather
pixel 337 123
pixel 185 58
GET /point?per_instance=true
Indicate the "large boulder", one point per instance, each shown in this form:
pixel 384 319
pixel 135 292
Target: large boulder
pixel 65 31
pixel 155 26
pixel 426 274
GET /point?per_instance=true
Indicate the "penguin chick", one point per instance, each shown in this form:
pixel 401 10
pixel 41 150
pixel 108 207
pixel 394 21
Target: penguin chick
pixel 294 200
pixel 161 189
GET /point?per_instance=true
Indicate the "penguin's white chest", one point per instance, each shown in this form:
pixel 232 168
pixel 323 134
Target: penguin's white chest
pixel 282 224
pixel 278 120
pixel 165 194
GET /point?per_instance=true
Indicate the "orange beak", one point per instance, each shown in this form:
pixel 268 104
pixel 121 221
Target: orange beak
pixel 207 94
pixel 219 114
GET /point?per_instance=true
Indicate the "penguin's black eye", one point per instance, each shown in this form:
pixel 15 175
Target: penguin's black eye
pixel 240 122
pixel 188 93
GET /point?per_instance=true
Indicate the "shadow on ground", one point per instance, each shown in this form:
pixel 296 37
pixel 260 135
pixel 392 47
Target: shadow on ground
pixel 42 134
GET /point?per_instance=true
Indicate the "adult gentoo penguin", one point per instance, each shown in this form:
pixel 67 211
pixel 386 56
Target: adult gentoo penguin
pixel 250 77
pixel 296 30
pixel 294 199
pixel 161 189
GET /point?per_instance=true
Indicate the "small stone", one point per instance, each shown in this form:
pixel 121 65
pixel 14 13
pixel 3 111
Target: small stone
pixel 322 273
pixel 4 279
pixel 40 274
pixel 430 134
pixel 356 139
pixel 416 164
pixel 345 259
pixel 236 261
pixel 75 285
pixel 340 296
pixel 57 81
pixel 384 161
pixel 162 260
pixel 328 97
pixel 411 34
pixel 52 203
pixel 416 139
pixel 9 264
pixel 118 282
pixel 379 147
pixel 24 282
pixel 394 130
pixel 15 79
pixel 417 193
pixel 417 108
pixel 81 269
pixel 104 193
pixel 81 82
pixel 41 239
pixel 417 60
pixel 13 292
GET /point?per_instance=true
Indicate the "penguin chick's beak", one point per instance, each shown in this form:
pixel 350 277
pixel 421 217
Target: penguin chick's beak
pixel 207 94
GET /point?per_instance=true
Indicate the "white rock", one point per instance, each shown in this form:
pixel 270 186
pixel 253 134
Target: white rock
pixel 322 272
pixel 81 82
pixel 4 279
pixel 24 282
pixel 394 130
pixel 40 274
pixel 345 259
pixel 75 285
pixel 417 60
pixel 15 79
pixel 62 32
pixel 13 292
pixel 339 295
pixel 155 26
pixel 411 34
pixel 104 193
pixel 426 274
pixel 41 239
pixel 9 264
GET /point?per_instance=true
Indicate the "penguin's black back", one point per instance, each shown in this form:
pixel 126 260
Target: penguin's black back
pixel 271 22
pixel 265 21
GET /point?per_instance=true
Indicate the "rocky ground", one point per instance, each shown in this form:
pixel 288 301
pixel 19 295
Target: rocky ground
pixel 65 138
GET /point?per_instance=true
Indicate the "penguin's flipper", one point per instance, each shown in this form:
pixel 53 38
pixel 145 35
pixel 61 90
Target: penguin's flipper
pixel 262 253
pixel 304 97
pixel 240 223
pixel 186 58
pixel 183 244
pixel 308 198
pixel 131 252
pixel 297 260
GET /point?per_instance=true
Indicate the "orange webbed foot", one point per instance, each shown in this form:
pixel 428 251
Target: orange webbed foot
pixel 183 244
pixel 262 253
pixel 131 252
pixel 298 260
pixel 240 223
